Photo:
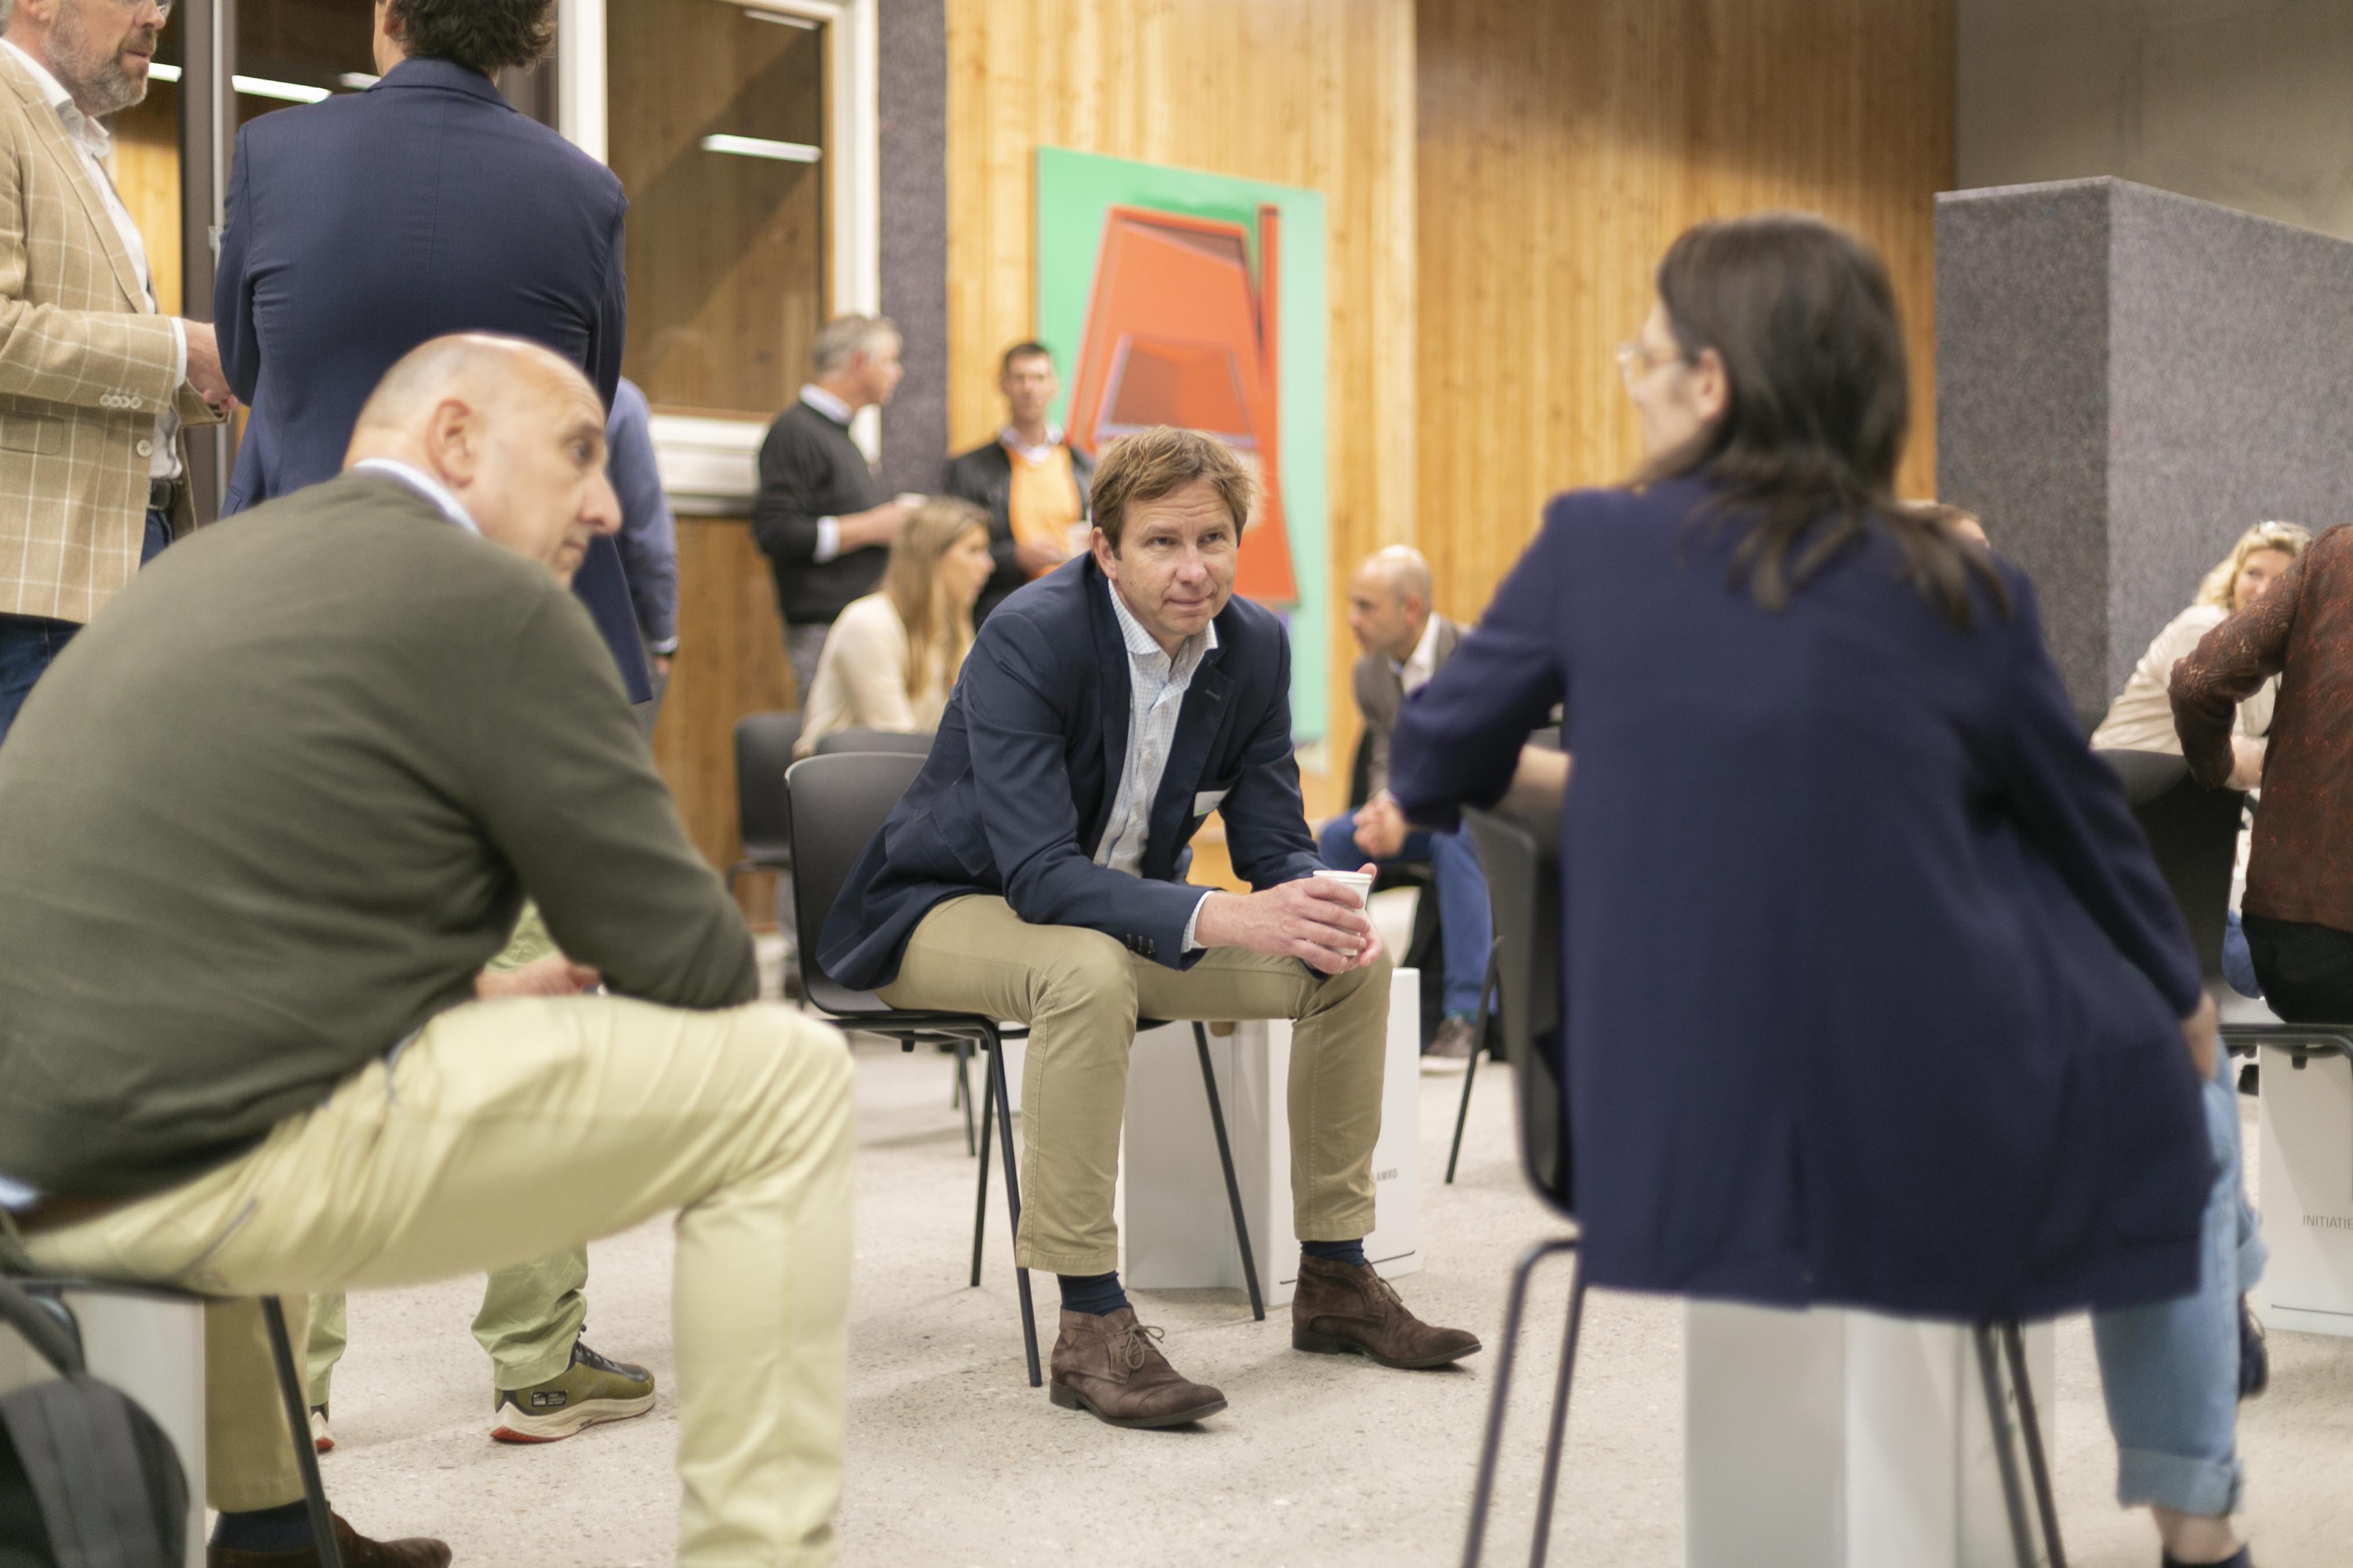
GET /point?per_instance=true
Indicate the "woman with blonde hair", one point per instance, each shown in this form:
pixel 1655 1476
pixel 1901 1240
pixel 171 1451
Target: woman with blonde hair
pixel 895 655
pixel 2141 718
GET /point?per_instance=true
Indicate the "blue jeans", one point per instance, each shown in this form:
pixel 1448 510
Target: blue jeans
pixel 29 645
pixel 1465 921
pixel 2170 1372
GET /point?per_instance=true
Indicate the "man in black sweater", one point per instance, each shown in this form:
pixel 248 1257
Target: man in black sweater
pixel 819 517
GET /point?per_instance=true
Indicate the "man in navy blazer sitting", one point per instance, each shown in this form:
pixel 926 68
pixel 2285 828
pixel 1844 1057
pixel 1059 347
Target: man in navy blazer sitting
pixel 363 226
pixel 1032 872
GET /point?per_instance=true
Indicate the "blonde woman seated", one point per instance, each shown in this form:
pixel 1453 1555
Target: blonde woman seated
pixel 2141 718
pixel 893 656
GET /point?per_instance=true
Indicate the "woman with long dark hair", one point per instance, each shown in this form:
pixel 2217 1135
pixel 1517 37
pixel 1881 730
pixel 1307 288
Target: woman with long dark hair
pixel 1874 996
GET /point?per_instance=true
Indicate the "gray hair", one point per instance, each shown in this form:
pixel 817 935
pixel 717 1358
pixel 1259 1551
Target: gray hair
pixel 838 339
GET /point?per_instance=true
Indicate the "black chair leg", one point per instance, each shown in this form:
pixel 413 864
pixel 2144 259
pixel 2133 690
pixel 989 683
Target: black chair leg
pixel 980 1200
pixel 298 1421
pixel 1004 1101
pixel 1516 1306
pixel 964 1090
pixel 2038 1463
pixel 1554 1438
pixel 2005 1457
pixel 1471 1070
pixel 1226 1159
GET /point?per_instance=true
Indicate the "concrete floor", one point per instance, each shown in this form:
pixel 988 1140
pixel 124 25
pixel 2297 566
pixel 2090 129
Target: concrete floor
pixel 954 1460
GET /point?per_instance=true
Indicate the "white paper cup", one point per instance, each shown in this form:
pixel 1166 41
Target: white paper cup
pixel 1361 882
pixel 911 498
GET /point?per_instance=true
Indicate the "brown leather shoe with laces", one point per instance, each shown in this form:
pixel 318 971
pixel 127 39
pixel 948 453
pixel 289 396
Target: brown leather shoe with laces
pixel 358 1552
pixel 1109 1367
pixel 1341 1309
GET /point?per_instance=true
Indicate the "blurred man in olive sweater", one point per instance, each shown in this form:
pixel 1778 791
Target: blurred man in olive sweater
pixel 266 822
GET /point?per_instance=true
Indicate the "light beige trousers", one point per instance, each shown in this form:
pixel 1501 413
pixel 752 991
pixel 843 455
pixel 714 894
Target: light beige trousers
pixel 508 1130
pixel 1081 993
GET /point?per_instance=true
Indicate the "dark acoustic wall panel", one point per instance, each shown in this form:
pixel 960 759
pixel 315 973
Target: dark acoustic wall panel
pixel 2126 379
pixel 2234 337
pixel 913 63
pixel 2023 396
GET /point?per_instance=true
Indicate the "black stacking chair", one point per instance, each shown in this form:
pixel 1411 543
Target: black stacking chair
pixel 2194 832
pixel 1524 887
pixel 764 749
pixel 894 741
pixel 1549 739
pixel 836 804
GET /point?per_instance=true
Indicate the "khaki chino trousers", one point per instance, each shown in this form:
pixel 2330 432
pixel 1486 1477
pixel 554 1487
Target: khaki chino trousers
pixel 506 1131
pixel 1081 993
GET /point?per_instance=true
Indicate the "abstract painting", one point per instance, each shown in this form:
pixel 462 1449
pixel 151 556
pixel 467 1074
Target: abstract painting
pixel 1173 297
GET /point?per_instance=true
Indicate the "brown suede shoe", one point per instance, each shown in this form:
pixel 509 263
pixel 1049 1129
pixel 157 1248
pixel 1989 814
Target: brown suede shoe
pixel 1350 1309
pixel 358 1552
pixel 1109 1367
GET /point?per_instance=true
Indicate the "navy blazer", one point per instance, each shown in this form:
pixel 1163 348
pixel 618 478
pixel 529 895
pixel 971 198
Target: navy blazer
pixel 1026 768
pixel 364 225
pixel 1872 988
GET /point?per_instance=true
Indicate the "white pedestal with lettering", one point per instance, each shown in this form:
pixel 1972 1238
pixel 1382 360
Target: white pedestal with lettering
pixel 1839 1439
pixel 2307 1191
pixel 1178 1230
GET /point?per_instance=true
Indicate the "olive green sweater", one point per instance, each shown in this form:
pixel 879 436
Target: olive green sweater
pixel 273 809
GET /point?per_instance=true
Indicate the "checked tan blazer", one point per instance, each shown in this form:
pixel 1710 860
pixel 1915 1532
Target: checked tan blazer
pixel 85 367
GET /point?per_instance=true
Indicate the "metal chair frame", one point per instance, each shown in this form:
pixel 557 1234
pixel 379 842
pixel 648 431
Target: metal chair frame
pixel 1525 919
pixel 863 1012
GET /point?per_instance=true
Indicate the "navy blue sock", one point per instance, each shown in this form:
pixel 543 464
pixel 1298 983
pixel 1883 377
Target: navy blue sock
pixel 286 1528
pixel 1349 1252
pixel 1096 1293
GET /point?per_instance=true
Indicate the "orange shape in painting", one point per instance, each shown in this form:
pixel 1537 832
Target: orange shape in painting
pixel 1177 335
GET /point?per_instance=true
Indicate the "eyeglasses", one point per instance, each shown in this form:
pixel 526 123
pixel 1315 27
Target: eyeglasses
pixel 1635 362
pixel 162 7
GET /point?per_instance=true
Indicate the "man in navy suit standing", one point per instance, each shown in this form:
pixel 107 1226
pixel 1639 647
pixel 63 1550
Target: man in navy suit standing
pixel 363 227
pixel 358 229
pixel 1032 872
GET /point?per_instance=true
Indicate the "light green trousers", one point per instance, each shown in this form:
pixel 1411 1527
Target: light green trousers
pixel 531 1314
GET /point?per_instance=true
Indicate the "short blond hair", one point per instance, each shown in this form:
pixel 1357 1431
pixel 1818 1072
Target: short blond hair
pixel 1159 461
pixel 2221 585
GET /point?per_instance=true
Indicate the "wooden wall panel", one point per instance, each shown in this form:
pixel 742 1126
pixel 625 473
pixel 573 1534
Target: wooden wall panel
pixel 147 174
pixel 1563 146
pixel 730 663
pixel 1305 92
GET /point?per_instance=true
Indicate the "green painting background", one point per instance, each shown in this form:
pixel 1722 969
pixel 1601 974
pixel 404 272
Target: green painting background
pixel 1075 190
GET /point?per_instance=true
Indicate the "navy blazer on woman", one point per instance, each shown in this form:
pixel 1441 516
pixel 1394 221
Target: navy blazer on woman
pixel 364 225
pixel 1026 768
pixel 1872 986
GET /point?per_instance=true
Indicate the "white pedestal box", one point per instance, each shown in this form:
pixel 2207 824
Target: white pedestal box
pixel 2308 1189
pixel 150 1345
pixel 1178 1230
pixel 1841 1439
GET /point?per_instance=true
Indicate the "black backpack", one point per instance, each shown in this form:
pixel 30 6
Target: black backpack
pixel 88 1479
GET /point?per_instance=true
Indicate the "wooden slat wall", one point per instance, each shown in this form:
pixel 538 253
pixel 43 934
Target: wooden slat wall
pixel 1563 146
pixel 1304 92
pixel 731 663
pixel 147 174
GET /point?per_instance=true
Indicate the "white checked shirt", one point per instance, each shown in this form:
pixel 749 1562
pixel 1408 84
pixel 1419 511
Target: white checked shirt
pixel 97 146
pixel 1157 687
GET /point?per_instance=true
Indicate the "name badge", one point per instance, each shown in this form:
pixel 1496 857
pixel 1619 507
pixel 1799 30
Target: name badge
pixel 1209 801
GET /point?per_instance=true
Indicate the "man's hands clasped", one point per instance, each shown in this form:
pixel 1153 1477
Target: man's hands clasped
pixel 1315 921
